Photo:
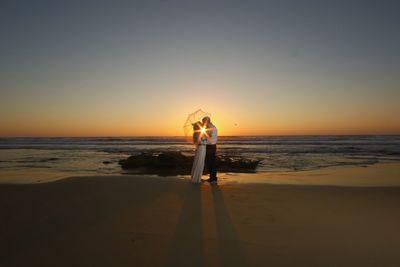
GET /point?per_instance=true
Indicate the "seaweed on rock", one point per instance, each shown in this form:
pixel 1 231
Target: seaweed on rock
pixel 173 163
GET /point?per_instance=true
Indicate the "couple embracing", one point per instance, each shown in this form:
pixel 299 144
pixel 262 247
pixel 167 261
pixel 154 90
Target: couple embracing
pixel 205 137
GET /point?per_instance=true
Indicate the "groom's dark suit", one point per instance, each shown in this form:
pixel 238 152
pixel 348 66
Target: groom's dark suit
pixel 211 149
pixel 211 161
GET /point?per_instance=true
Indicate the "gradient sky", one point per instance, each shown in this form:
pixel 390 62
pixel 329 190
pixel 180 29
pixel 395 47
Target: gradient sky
pixel 95 68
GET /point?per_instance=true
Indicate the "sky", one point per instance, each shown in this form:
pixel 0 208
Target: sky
pixel 125 68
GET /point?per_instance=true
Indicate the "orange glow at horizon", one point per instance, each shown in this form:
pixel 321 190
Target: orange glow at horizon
pixel 232 115
pixel 172 125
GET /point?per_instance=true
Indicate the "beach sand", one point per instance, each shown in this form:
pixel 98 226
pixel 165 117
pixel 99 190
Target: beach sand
pixel 144 221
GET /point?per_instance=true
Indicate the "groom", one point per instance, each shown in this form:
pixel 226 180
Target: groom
pixel 211 148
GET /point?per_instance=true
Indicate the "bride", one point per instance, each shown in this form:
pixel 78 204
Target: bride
pixel 199 139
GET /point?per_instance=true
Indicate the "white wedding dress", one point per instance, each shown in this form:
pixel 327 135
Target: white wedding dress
pixel 198 163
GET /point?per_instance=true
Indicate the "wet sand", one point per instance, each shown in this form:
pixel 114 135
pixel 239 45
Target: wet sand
pixel 142 221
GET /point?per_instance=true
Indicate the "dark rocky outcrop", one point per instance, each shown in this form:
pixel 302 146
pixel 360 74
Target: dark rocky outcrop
pixel 173 163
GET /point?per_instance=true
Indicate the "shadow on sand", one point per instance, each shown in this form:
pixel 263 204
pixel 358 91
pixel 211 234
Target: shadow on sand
pixel 187 248
pixel 187 243
pixel 229 251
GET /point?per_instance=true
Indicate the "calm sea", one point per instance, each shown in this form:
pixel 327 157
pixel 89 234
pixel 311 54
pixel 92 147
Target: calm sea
pixel 23 159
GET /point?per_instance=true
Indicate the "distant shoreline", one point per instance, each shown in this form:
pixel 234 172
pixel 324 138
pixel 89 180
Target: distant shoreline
pixel 182 136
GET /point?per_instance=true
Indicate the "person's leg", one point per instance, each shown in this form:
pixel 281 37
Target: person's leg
pixel 211 161
pixel 207 161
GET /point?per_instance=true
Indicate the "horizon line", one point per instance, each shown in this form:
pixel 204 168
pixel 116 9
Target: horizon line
pixel 132 136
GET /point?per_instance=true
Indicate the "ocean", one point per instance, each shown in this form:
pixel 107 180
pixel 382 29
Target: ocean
pixel 25 159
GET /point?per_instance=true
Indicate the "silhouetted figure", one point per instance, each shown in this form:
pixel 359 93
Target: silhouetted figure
pixel 211 148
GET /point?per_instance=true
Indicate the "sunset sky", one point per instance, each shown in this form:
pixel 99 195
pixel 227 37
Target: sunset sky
pixel 103 68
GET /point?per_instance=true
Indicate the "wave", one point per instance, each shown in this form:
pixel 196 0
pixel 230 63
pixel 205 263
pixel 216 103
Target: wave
pixel 287 153
pixel 388 145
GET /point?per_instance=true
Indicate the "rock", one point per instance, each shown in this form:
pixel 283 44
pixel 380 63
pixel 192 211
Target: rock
pixel 174 163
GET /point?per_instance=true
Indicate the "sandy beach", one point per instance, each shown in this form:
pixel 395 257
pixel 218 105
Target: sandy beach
pixel 144 221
